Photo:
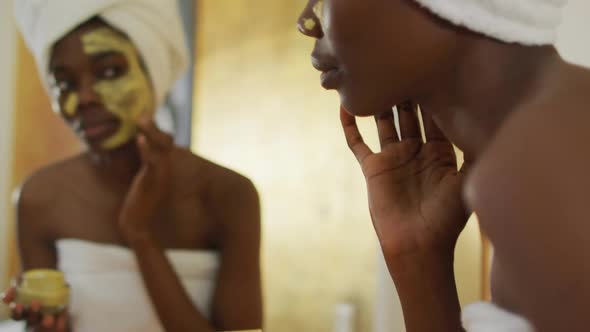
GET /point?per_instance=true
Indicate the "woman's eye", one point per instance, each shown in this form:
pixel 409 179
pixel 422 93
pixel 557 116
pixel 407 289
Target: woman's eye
pixel 110 73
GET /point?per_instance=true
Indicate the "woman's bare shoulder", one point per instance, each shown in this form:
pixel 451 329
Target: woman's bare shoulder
pixel 43 186
pixel 543 146
pixel 37 198
pixel 530 191
pixel 211 179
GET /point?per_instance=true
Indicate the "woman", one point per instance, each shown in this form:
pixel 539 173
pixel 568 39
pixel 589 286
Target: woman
pixel 485 73
pixel 150 237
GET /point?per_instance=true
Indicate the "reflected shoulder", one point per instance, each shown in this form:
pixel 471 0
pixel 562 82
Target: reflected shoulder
pixel 43 186
pixel 212 177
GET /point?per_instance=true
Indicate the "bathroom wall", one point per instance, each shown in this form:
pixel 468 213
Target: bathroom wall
pixel 259 109
pixel 7 63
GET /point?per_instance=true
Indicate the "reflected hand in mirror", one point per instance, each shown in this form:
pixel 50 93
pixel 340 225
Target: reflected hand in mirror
pixel 36 320
pixel 152 182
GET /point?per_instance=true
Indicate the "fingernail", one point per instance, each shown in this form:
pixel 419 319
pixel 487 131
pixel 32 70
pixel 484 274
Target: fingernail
pixel 47 321
pixel 144 120
pixel 141 139
pixel 407 106
pixel 61 324
pixel 385 115
pixel 35 306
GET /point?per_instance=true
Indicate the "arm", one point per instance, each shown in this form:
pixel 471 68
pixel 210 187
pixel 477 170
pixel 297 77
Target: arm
pixel 142 203
pixel 36 250
pixel 417 211
pixel 237 302
pixel 426 287
pixel 173 305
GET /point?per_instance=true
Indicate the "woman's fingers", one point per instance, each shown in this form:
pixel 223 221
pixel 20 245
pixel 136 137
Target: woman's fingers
pixel 62 322
pixel 431 129
pixel 467 162
pixel 34 315
pixel 386 129
pixel 48 321
pixel 353 136
pixel 145 151
pixel 17 311
pixel 152 142
pixel 408 121
pixel 155 137
pixel 8 295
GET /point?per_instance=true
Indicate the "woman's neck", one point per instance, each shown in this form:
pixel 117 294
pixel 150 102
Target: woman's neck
pixel 489 81
pixel 119 165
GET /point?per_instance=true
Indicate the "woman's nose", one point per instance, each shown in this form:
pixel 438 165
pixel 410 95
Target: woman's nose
pixel 308 23
pixel 87 93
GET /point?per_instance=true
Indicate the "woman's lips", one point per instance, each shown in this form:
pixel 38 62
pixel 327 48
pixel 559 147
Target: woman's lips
pixel 98 130
pixel 331 79
pixel 331 76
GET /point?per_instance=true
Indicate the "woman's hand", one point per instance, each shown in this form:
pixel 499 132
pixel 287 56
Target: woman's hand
pixel 151 184
pixel 36 321
pixel 413 185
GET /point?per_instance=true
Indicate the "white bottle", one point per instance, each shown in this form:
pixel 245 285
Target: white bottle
pixel 345 317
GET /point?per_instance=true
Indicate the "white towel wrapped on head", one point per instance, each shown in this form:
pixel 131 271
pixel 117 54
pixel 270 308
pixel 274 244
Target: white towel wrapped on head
pixel 154 26
pixel 527 22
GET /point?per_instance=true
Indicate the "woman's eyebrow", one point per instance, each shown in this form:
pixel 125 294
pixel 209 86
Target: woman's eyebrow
pixel 106 54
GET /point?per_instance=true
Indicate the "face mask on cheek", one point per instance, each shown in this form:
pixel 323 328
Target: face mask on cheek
pixel 128 96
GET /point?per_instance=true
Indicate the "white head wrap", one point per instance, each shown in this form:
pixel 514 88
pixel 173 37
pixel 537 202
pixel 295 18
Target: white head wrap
pixel 527 22
pixel 154 26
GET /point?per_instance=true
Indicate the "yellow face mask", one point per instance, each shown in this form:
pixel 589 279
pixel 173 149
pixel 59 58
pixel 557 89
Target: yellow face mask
pixel 318 8
pixel 128 96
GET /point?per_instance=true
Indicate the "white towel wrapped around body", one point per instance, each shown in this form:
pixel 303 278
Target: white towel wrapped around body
pixel 12 326
pixel 486 317
pixel 107 291
pixel 527 22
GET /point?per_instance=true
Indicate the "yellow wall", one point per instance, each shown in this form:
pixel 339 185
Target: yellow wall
pixel 260 110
